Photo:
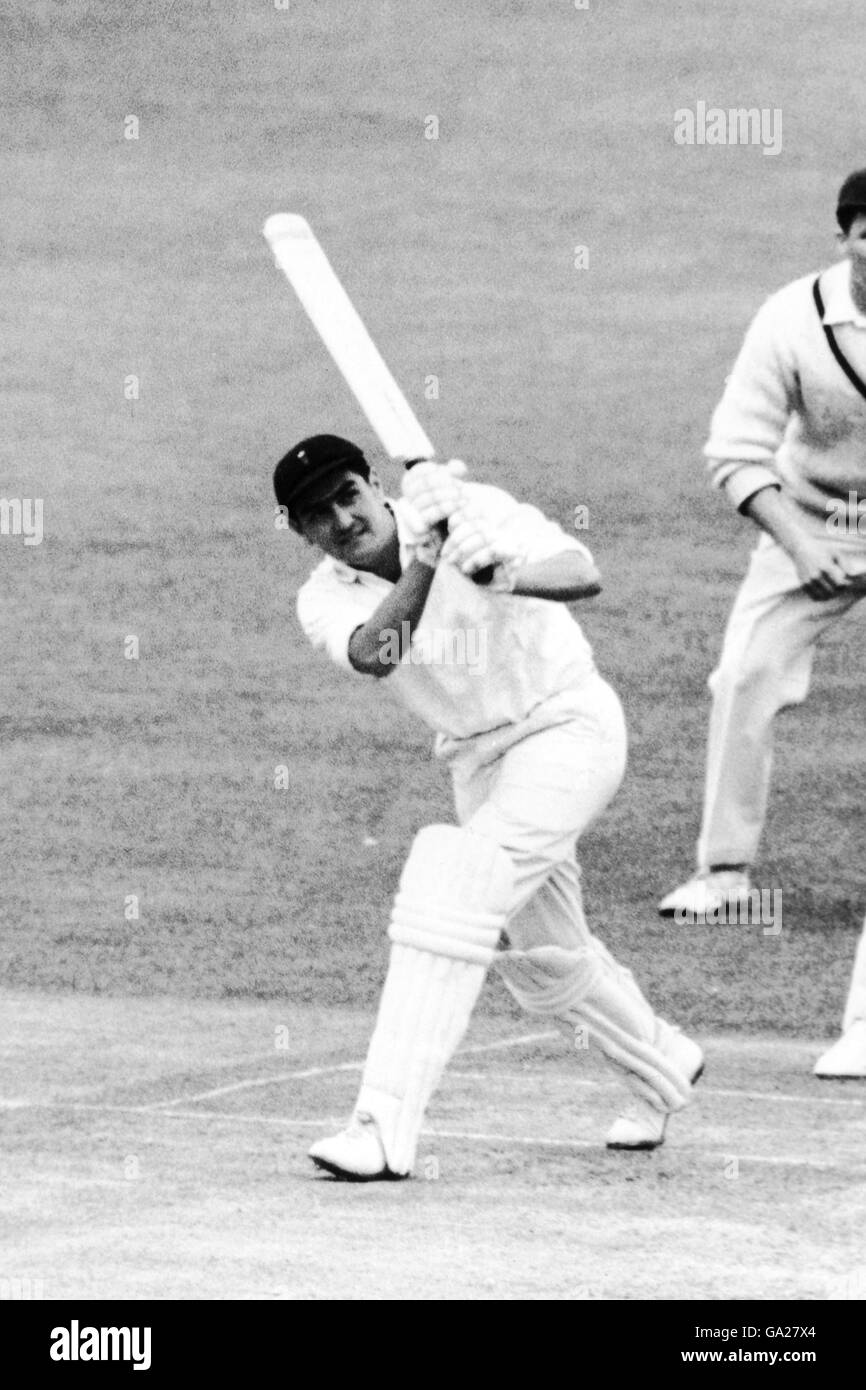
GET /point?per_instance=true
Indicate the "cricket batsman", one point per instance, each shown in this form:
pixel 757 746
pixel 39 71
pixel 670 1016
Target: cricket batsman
pixel 535 742
pixel 788 447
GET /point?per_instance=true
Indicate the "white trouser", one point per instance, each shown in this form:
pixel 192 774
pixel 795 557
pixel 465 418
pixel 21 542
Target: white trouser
pixel 765 666
pixel 534 795
pixel 535 798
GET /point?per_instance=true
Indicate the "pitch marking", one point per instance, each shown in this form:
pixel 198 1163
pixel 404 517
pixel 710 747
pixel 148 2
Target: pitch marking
pixel 523 1141
pixel 331 1070
pixel 702 1090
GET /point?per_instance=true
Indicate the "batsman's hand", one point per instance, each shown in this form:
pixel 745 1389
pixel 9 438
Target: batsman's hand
pixel 425 542
pixel 435 490
pixel 473 545
pixel 820 568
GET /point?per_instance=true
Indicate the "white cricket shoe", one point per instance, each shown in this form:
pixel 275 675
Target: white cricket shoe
pixel 707 892
pixel 847 1057
pixel 356 1154
pixel 641 1125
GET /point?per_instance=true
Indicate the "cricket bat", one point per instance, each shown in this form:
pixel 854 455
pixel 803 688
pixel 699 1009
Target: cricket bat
pixel 339 325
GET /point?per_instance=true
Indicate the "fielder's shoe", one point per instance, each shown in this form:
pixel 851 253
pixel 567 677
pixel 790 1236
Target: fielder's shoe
pixel 707 892
pixel 641 1125
pixel 356 1153
pixel 847 1057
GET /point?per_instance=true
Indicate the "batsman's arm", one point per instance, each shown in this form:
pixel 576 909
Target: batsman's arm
pixel 564 578
pixel 377 646
pixel 530 555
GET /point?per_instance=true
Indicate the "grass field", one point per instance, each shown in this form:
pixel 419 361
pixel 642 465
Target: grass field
pixel 137 269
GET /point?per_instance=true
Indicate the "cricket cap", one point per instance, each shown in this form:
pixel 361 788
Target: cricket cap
pixel 852 194
pixel 309 462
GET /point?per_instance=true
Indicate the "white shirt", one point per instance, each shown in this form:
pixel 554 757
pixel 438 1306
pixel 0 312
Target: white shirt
pixel 478 660
pixel 789 415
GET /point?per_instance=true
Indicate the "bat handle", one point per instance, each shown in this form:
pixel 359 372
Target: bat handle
pixel 482 577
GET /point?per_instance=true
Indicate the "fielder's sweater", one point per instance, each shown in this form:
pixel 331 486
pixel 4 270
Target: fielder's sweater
pixel 789 415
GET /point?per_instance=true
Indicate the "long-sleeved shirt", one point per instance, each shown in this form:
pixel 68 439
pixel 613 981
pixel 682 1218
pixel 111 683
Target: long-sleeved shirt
pixel 478 660
pixel 789 416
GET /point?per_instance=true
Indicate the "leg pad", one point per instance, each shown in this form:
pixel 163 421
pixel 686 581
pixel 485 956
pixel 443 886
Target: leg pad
pixel 454 897
pixel 586 988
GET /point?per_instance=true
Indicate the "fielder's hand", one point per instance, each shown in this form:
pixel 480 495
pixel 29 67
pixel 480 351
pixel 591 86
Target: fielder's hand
pixel 820 568
pixel 434 489
pixel 473 546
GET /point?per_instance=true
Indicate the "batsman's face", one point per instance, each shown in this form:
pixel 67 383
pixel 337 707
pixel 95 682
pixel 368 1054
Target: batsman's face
pixel 348 519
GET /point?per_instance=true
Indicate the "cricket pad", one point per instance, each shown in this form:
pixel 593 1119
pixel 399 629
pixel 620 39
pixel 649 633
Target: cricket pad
pixel 454 896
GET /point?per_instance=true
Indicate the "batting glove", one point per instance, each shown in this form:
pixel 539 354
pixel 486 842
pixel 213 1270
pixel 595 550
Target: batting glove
pixel 424 542
pixel 473 546
pixel 435 490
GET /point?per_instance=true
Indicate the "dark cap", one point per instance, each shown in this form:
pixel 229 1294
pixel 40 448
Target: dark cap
pixel 852 195
pixel 311 461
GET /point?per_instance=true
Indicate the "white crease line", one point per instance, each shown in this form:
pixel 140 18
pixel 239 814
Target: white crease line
pixel 338 1121
pixel 157 1105
pixel 75 1180
pixel 778 1096
pixel 576 1082
pixel 529 1141
pixel 476 1136
pixel 701 1090
pixel 331 1070
pixel 775 1160
pixel 509 1042
pixel 533 1076
pixel 74 1105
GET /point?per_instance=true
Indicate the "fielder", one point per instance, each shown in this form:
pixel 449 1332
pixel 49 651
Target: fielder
pixel 535 742
pixel 788 446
